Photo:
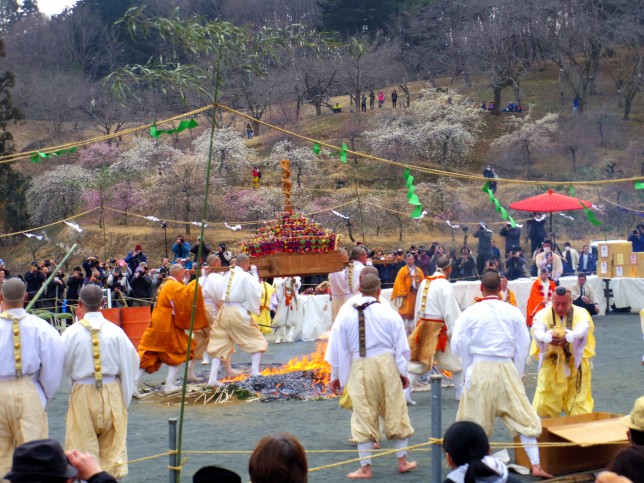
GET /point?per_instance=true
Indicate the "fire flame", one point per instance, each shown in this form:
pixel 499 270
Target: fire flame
pixel 313 362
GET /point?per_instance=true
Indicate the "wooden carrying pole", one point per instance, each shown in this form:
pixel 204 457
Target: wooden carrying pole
pixel 285 164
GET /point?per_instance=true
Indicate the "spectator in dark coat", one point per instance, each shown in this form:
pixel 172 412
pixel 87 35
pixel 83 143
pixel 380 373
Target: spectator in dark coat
pixel 135 257
pixel 205 251
pixel 512 237
pixel 181 248
pixel 34 279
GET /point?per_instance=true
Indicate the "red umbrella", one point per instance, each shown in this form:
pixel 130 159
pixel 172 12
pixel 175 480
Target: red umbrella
pixel 550 202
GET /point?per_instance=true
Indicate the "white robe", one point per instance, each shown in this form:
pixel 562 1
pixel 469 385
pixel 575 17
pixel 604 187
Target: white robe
pixel 245 290
pixel 491 328
pixel 291 315
pixel 384 332
pixel 341 286
pixel 118 355
pixel 210 289
pixel 42 353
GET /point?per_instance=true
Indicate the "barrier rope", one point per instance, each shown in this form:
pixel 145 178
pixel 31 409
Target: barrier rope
pixel 49 224
pixel 434 171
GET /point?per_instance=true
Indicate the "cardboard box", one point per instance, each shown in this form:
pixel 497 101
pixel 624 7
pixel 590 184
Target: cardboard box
pixel 604 268
pixel 636 265
pixel 620 271
pixel 592 433
pixel 616 251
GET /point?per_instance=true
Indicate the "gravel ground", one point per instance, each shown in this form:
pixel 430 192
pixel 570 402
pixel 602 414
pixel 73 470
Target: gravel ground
pixel 618 379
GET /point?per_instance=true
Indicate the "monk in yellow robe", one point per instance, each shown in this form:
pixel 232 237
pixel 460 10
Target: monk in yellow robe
pixel 540 295
pixel 263 320
pixel 505 294
pixel 166 340
pixel 405 288
pixel 564 340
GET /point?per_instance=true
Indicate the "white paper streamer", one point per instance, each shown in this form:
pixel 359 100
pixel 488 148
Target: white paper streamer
pixel 567 217
pixel 337 213
pixel 449 223
pixel 31 235
pixel 233 228
pixel 422 215
pixel 540 218
pixel 485 227
pixel 151 218
pixel 74 226
pixel 199 224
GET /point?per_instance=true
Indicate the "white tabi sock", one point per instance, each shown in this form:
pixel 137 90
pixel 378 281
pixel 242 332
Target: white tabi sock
pixel 173 373
pixel 457 379
pixel 365 450
pixel 531 449
pixel 401 443
pixel 206 358
pixel 412 378
pixel 139 375
pixel 255 359
pixel 290 333
pixel 214 371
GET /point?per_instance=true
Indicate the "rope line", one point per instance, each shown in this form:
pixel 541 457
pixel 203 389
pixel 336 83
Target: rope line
pixel 49 224
pixel 439 172
pixel 434 171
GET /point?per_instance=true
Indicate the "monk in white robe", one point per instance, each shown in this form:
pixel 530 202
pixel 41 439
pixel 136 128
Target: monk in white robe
pixel 30 373
pixel 239 296
pixel 492 341
pixel 369 357
pixel 101 364
pixel 345 284
pixel 436 312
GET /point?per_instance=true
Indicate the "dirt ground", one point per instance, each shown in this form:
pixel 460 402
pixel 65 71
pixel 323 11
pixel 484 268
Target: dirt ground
pixel 618 379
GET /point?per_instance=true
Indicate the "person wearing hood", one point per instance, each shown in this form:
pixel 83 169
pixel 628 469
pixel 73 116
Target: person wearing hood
pixel 101 363
pixel 467 450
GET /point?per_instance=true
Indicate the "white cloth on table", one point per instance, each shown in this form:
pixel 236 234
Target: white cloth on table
pixel 384 332
pixel 118 355
pixel 628 292
pixel 42 353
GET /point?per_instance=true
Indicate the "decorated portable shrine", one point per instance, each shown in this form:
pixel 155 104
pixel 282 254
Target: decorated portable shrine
pixel 293 244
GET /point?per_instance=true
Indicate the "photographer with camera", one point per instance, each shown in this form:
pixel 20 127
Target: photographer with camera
pixel 135 257
pixel 484 249
pixel 34 279
pixel 205 251
pixel 465 266
pixel 74 284
pixel 515 264
pixel 90 265
pixel 55 291
pixel 117 282
pixel 141 283
pixel 181 248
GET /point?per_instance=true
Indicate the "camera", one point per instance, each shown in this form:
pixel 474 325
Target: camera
pixel 112 261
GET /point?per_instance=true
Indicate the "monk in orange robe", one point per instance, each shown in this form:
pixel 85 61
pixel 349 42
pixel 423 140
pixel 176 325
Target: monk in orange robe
pixel 540 294
pixel 405 288
pixel 165 340
pixel 505 294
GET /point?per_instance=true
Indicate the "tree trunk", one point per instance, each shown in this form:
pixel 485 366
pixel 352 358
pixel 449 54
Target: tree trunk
pixel 317 102
pixel 497 99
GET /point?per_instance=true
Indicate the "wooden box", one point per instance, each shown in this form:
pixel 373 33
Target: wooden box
pixel 636 265
pixel 599 437
pixel 292 264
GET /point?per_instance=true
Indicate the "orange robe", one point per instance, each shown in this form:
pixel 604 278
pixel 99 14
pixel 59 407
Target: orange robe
pixel 538 299
pixel 403 288
pixel 165 340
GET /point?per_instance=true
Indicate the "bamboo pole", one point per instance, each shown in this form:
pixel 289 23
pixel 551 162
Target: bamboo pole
pixel 50 278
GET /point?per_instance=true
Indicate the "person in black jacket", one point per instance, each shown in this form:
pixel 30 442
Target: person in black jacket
pixel 74 284
pixel 512 237
pixel 205 251
pixel 141 287
pixel 34 279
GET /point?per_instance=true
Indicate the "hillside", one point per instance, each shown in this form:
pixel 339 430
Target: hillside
pixel 551 161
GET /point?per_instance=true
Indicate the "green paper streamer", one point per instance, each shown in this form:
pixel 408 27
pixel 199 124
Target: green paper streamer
pixel 417 213
pixel 39 156
pixel 590 215
pixel 497 205
pixel 491 195
pixel 413 200
pixel 486 187
pixel 183 125
pixel 572 190
pixel 410 181
pixel 316 149
pixel 512 222
pixel 343 153
pixel 411 191
pixel 406 173
pixel 639 185
pixel 504 213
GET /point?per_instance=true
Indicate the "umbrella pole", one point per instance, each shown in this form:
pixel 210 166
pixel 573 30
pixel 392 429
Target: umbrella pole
pixel 553 237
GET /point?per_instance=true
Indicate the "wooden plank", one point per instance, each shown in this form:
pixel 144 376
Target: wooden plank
pixel 592 433
pixel 294 264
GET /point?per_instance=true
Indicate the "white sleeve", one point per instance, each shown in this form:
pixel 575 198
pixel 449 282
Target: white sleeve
pixel 541 335
pixel 401 344
pixel 128 366
pixel 450 308
pixel 522 343
pixel 52 359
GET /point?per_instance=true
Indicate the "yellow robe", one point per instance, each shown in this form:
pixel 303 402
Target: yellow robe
pixel 264 317
pixel 403 288
pixel 555 392
pixel 165 340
